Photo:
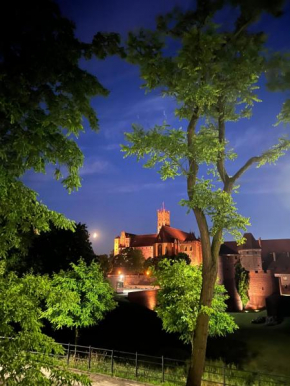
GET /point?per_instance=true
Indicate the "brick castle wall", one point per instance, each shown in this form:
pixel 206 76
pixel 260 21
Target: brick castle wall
pixel 262 284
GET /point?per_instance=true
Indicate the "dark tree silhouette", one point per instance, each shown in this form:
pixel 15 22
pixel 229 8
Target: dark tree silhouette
pixel 55 250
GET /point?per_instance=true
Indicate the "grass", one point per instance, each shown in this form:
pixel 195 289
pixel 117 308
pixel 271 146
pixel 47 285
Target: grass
pixel 255 347
pixel 215 374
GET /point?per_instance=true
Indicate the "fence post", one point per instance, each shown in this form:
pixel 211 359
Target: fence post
pixel 224 374
pixel 90 356
pixel 112 363
pixel 136 362
pixel 68 354
pixel 162 359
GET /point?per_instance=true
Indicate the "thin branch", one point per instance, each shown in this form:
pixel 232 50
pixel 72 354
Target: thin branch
pixel 179 164
pixel 245 167
pixel 222 130
pixel 192 164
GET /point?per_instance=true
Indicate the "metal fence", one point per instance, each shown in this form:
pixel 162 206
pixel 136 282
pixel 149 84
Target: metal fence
pixel 147 368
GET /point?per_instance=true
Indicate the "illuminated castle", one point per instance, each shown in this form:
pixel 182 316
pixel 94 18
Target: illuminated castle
pixel 167 241
pixel 268 266
pixel 267 261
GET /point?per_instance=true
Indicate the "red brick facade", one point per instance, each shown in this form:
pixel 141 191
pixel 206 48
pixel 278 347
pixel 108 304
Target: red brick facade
pixel 263 259
pixel 168 241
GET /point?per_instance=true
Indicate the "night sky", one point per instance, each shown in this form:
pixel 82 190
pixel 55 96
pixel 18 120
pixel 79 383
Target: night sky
pixel 119 194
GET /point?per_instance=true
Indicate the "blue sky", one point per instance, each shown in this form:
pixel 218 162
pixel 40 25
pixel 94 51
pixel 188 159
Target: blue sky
pixel 118 194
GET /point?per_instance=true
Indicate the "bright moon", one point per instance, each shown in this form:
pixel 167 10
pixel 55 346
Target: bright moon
pixel 95 235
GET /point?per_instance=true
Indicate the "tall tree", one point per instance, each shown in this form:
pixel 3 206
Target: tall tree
pixel 44 95
pixel 213 78
pixel 79 298
pixel 27 355
pixel 178 301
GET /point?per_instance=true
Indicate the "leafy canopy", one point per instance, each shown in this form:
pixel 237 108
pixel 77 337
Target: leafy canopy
pixel 80 298
pixel 44 96
pixel 213 77
pixel 21 301
pixel 178 301
pixel 53 251
pixel 212 72
pixel 131 259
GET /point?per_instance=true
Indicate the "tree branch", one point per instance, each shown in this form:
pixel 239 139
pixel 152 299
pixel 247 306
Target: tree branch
pixel 192 163
pixel 245 167
pixel 222 130
pixel 179 164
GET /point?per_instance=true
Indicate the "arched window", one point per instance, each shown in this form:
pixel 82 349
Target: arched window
pixel 159 249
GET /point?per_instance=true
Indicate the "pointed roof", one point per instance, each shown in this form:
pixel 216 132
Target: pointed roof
pixel 168 234
pixel 129 234
pixel 143 240
pixel 229 248
pixel 190 237
pixel 251 242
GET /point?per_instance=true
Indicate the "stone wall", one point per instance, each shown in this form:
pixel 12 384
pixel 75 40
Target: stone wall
pixel 226 275
pixel 262 284
pixel 147 252
pixel 251 259
pixel 132 281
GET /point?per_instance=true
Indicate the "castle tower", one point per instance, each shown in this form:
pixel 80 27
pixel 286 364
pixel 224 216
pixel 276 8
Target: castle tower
pixel 163 217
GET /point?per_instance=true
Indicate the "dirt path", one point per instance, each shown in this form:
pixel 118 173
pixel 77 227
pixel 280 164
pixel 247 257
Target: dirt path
pixel 105 380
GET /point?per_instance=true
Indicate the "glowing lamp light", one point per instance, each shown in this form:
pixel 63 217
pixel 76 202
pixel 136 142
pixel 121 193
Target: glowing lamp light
pixel 121 277
pixel 147 273
pixel 119 272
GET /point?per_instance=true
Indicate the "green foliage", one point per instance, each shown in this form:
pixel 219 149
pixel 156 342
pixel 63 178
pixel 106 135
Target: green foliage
pixel 131 259
pixel 178 301
pixel 153 262
pixel 242 283
pixel 79 298
pixel 213 79
pixel 212 72
pixel 219 206
pixel 21 214
pixel 21 317
pixel 44 96
pixel 105 263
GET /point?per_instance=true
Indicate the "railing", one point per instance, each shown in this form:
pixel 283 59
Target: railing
pixel 147 368
pixel 124 364
pixel 157 370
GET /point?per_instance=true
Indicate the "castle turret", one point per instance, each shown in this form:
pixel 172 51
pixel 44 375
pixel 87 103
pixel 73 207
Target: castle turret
pixel 163 217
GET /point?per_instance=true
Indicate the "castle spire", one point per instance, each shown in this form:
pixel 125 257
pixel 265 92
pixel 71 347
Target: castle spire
pixel 163 217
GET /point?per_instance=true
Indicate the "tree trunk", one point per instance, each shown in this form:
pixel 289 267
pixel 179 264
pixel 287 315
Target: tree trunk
pixel 199 341
pixel 210 255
